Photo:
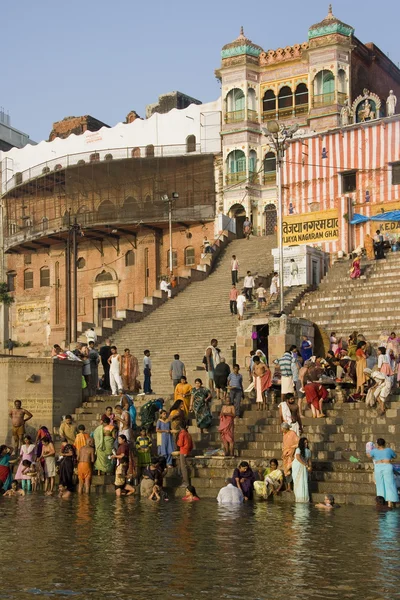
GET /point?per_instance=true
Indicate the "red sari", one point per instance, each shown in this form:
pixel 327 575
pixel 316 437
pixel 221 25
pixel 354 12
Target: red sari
pixel 314 393
pixel 227 428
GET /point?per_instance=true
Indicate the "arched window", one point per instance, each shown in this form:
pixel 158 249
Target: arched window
pixel 45 223
pixel 11 277
pixel 129 258
pixel 251 105
pixel 341 86
pixel 82 215
pixel 324 88
pixel 44 277
pixel 12 228
pixel 285 102
pixel 95 157
pixel 149 151
pixel 234 106
pixel 130 204
pixel 81 263
pixel 253 165
pixel 28 280
pixel 269 167
pixel 174 259
pixel 301 95
pixel 135 153
pixel 269 102
pixel 236 166
pixel 103 276
pixel 106 210
pixel 189 256
pixel 191 143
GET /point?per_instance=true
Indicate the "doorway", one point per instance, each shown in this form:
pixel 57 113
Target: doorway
pixel 106 307
pixel 271 219
pixel 237 212
pixel 261 342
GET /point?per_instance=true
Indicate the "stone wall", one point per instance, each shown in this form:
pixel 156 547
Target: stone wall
pixel 55 391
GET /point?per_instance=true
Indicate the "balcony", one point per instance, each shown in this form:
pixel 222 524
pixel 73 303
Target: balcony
pixel 269 178
pixel 301 109
pixel 234 116
pixel 324 100
pixel 268 115
pixel 252 116
pixel 235 177
pixel 285 113
pixel 254 178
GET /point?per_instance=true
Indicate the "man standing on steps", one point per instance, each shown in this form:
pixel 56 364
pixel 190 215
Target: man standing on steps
pixel 212 360
pixel 105 353
pixel 147 373
pixel 241 305
pixel 248 286
pixel 285 365
pixel 235 270
pixel 233 296
pixel 177 370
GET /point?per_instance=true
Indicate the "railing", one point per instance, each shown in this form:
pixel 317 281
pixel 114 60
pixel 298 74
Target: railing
pixel 236 177
pixel 270 177
pixel 254 178
pixel 285 113
pixel 252 116
pixel 234 116
pixel 95 156
pixel 301 109
pixel 268 115
pixel 324 99
pixel 136 216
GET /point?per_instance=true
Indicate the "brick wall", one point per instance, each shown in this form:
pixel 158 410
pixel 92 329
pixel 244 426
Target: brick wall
pixel 77 125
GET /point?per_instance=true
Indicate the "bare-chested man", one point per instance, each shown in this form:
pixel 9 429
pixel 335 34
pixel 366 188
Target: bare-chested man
pixel 86 460
pixel 19 416
pixel 289 413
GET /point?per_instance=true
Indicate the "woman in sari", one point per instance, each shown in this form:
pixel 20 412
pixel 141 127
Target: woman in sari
pixel 176 418
pixel 200 403
pixel 104 436
pixel 243 479
pixel 129 370
pixel 355 271
pixel 67 465
pixel 361 364
pixel 383 471
pixel 273 481
pixel 369 247
pixel 5 469
pixel 301 467
pixel 182 392
pixel 165 446
pixel 227 426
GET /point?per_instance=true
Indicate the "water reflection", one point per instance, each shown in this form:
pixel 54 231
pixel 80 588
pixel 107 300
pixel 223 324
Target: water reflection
pixel 127 548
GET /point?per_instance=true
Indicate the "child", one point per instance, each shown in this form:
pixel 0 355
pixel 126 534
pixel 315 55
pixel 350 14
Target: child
pixel 30 471
pixel 261 293
pixel 121 487
pixel 143 448
pixel 328 503
pixel 14 490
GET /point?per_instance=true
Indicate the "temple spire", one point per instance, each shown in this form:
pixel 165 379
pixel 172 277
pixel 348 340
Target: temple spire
pixel 330 13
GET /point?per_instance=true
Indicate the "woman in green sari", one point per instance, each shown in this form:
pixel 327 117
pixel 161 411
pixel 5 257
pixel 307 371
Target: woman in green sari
pixel 201 399
pixel 104 436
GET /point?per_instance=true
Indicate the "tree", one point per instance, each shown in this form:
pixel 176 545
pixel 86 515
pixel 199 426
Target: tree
pixel 5 297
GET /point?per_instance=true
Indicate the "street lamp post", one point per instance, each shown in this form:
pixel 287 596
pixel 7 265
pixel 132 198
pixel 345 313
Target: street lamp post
pixel 166 198
pixel 278 136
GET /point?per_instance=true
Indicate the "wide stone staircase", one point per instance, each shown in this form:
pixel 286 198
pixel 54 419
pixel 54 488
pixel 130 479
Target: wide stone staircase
pixel 186 324
pixel 258 438
pixel 368 305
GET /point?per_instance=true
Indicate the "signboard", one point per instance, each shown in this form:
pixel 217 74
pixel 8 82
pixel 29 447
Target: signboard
pixel 311 228
pixel 385 226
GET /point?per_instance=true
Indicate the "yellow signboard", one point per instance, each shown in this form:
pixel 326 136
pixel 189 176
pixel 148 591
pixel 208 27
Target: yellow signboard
pixel 311 228
pixel 385 226
pixel 377 209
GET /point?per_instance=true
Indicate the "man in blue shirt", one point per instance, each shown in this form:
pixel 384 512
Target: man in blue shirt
pixel 235 386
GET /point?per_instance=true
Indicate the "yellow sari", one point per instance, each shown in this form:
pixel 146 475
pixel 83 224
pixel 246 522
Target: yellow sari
pixel 183 392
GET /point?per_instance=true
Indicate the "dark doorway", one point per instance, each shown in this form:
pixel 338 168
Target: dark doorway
pixel 238 212
pixel 261 343
pixel 106 309
pixel 271 219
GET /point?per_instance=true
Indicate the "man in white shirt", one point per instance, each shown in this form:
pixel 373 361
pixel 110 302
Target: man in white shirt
pixel 261 298
pixel 91 335
pixel 248 285
pixel 165 287
pixel 235 269
pixel 230 494
pixel 241 305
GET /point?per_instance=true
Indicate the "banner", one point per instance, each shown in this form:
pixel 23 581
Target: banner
pixel 311 228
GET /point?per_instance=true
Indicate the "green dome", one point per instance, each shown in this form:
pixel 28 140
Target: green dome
pixel 330 25
pixel 242 45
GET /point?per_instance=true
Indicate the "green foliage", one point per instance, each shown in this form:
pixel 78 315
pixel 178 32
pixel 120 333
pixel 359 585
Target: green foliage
pixel 5 297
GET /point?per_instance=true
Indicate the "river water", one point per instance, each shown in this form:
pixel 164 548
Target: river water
pixel 126 548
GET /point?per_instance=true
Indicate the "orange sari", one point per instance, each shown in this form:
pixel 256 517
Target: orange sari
pixel 183 392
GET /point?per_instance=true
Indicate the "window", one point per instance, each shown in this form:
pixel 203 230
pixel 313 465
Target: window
pixel 235 102
pixel 106 308
pixel 349 182
pixel 324 88
pixel 301 96
pixel 12 228
pixel 270 162
pixel 81 306
pixel 252 161
pixel 129 207
pixel 236 161
pixel 135 153
pixel 189 256
pixel 11 275
pixel 285 98
pixel 44 277
pixel 27 259
pixel 95 157
pixel 103 276
pixel 129 258
pixel 396 173
pixel 106 210
pixel 251 99
pixel 174 259
pixel 191 143
pixel 28 280
pixel 45 223
pixel 269 101
pixel 81 263
pixel 149 150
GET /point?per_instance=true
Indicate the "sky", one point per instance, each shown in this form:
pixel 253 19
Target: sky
pixel 105 58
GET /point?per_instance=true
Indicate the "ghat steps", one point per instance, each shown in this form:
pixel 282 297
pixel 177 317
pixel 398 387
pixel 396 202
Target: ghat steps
pixel 368 305
pixel 258 438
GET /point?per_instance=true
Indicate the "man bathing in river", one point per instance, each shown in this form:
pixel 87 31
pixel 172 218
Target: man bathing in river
pixel 19 416
pixel 86 458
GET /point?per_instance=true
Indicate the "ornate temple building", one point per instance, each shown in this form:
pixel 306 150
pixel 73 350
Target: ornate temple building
pixel 311 84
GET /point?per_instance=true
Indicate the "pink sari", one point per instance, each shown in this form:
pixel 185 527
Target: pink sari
pixel 355 271
pixel 227 428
